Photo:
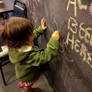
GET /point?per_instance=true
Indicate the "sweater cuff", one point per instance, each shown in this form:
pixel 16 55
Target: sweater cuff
pixel 40 29
pixel 55 43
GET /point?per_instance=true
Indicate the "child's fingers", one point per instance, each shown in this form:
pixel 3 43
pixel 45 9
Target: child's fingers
pixel 43 23
pixel 42 20
pixel 44 27
pixel 56 35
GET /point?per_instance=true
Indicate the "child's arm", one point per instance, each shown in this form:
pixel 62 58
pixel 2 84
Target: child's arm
pixel 49 53
pixel 40 29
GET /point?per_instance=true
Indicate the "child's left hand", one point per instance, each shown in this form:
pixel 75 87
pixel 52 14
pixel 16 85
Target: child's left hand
pixel 43 24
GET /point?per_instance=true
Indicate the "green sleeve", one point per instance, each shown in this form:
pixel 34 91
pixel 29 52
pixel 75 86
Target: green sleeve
pixel 47 55
pixel 37 32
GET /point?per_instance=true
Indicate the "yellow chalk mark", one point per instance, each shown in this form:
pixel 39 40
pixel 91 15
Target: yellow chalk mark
pixel 91 41
pixel 83 51
pixel 77 46
pixel 75 6
pixel 90 9
pixel 89 59
pixel 72 25
pixel 81 6
pixel 81 30
pixel 68 39
pixel 87 35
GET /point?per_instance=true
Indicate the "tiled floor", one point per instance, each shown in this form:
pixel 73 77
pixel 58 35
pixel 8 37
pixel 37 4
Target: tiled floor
pixel 12 82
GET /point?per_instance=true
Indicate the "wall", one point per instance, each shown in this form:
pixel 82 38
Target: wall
pixel 71 70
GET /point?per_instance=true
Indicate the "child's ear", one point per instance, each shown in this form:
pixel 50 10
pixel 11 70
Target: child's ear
pixel 29 43
pixel 31 38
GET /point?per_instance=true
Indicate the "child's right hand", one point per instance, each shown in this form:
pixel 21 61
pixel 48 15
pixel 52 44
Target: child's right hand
pixel 43 24
pixel 56 35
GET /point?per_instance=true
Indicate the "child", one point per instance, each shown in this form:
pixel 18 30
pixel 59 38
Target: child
pixel 19 35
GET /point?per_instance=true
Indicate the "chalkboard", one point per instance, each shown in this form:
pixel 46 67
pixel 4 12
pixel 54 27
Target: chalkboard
pixel 71 70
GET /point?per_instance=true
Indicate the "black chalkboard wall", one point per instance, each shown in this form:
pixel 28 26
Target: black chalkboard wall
pixel 71 70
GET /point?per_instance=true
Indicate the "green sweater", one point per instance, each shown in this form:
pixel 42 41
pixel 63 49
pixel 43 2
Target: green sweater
pixel 26 62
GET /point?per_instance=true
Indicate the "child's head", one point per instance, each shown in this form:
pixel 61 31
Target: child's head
pixel 17 32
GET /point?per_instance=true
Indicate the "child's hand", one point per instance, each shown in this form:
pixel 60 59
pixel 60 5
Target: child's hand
pixel 43 24
pixel 56 35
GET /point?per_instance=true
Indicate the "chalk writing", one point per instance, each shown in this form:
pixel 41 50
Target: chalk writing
pixel 75 2
pixel 87 35
pixel 84 34
pixel 81 6
pixel 72 26
pixel 90 9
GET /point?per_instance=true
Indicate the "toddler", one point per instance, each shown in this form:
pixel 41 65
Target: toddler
pixel 19 35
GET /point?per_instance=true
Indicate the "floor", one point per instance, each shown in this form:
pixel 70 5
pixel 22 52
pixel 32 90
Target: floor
pixel 12 82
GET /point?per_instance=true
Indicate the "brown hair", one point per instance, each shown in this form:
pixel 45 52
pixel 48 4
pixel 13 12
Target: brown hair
pixel 17 31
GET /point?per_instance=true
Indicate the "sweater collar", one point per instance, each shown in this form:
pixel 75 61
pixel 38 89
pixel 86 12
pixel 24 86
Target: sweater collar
pixel 25 48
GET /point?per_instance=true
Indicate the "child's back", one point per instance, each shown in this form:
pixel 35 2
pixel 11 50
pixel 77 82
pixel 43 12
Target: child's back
pixel 19 35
